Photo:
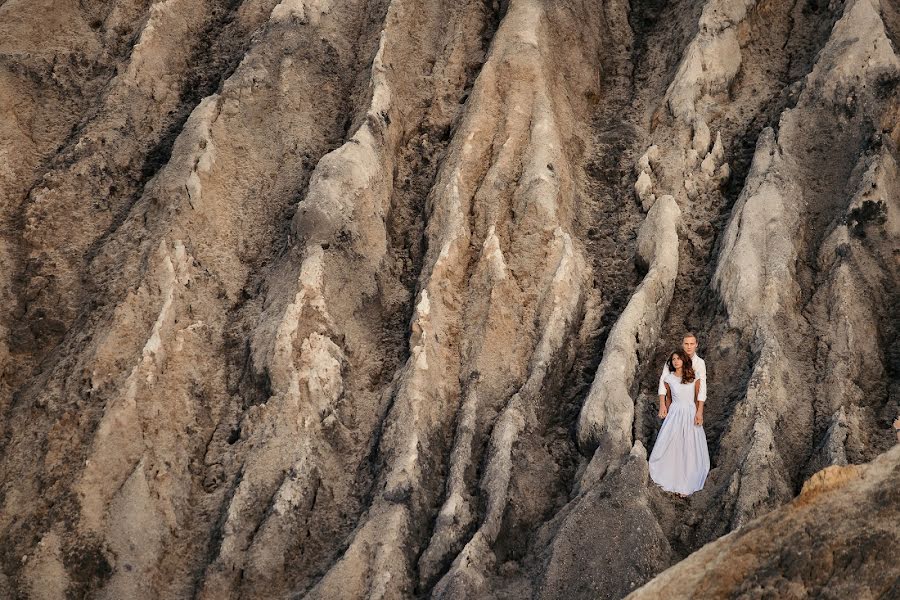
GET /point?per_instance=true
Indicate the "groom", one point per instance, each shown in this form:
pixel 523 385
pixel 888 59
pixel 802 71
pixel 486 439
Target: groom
pixel 689 345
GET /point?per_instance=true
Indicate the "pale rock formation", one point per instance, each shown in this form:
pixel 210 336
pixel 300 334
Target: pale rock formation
pixel 757 274
pixel 345 299
pixel 604 426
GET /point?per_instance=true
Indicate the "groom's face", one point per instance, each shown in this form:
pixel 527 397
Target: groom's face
pixel 689 345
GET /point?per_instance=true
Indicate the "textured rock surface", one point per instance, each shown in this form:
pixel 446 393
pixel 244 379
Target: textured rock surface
pixel 801 550
pixel 333 298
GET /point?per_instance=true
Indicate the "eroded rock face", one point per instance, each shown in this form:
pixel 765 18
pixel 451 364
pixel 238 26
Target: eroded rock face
pixel 801 550
pixel 343 299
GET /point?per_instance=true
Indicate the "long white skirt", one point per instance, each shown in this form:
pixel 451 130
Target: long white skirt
pixel 680 459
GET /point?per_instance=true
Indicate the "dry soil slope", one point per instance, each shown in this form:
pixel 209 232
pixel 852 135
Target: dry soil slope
pixel 299 290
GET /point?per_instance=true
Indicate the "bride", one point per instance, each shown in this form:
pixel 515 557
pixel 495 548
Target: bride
pixel 679 462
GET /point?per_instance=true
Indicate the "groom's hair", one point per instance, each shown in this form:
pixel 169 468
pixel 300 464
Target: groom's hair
pixel 689 334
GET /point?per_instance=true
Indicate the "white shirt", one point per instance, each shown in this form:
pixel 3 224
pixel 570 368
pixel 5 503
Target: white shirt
pixel 699 372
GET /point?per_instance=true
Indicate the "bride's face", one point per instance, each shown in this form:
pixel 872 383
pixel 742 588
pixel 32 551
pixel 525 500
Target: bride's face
pixel 676 361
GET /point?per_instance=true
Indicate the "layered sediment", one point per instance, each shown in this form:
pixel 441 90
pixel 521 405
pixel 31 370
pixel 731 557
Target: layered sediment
pixel 342 299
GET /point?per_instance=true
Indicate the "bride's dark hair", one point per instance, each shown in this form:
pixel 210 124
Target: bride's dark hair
pixel 687 369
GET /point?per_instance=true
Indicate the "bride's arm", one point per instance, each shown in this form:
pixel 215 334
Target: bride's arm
pixel 698 418
pixel 663 406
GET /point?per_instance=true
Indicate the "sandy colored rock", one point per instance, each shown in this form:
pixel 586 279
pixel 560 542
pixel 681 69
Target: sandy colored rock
pixel 801 550
pixel 345 299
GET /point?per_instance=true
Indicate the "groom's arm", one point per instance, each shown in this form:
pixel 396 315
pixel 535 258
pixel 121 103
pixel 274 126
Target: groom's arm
pixel 701 375
pixel 698 416
pixel 662 392
pixel 662 380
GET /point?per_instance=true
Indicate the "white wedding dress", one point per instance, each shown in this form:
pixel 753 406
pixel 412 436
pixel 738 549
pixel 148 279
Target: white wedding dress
pixel 680 459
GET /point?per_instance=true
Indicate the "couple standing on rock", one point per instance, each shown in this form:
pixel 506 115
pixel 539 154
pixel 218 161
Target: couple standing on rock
pixel 679 462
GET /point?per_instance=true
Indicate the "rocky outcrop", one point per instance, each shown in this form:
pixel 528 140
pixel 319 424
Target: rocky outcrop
pixel 813 554
pixel 331 299
pixel 772 280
